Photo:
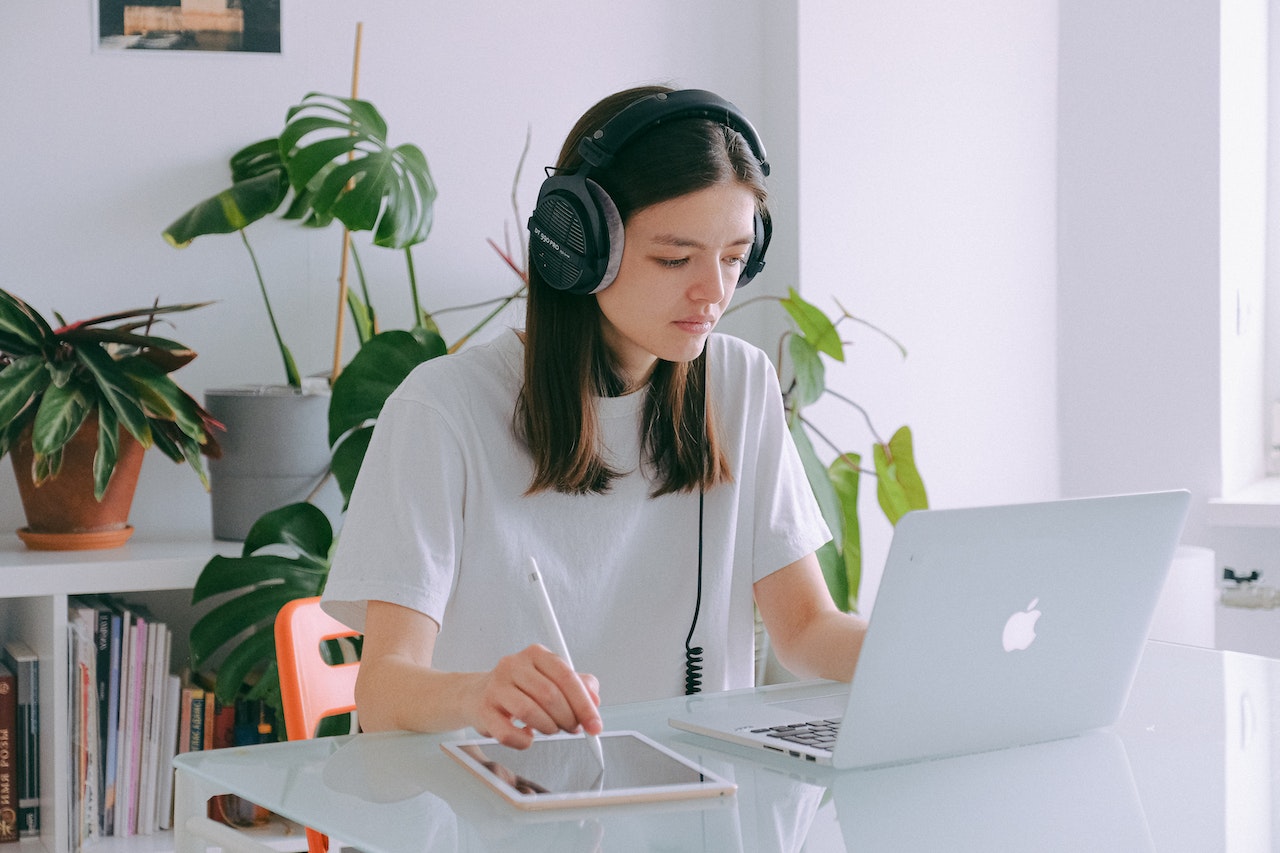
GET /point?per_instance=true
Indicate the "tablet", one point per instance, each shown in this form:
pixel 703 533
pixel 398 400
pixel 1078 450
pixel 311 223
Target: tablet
pixel 561 771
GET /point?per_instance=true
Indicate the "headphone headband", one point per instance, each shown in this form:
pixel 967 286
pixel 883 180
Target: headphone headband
pixel 598 148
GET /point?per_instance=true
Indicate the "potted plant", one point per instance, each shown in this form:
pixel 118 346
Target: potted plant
pixel 333 158
pixel 78 405
pixel 899 487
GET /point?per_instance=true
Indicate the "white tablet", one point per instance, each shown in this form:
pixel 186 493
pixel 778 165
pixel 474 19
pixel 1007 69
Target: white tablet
pixel 562 771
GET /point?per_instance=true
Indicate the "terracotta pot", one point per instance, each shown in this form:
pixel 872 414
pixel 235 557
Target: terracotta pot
pixel 62 514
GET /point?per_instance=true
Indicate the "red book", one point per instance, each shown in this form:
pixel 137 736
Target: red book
pixel 8 755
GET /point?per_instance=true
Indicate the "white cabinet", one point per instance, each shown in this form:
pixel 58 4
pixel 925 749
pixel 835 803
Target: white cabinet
pixel 34 588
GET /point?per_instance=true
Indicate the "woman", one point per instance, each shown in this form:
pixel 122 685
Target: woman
pixel 641 460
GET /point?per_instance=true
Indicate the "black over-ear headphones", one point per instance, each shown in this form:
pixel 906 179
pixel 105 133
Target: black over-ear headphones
pixel 575 232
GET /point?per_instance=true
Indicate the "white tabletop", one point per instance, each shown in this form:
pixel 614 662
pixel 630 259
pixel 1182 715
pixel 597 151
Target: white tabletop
pixel 1193 765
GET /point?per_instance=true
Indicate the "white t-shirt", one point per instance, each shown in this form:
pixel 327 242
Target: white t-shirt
pixel 439 522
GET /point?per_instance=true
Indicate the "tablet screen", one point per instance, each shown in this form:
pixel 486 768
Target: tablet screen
pixel 563 770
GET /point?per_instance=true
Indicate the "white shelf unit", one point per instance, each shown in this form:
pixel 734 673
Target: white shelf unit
pixel 34 590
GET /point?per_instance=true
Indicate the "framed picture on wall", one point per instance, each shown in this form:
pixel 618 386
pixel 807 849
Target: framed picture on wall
pixel 244 26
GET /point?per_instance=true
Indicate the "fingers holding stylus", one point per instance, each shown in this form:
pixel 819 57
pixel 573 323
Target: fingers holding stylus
pixel 538 689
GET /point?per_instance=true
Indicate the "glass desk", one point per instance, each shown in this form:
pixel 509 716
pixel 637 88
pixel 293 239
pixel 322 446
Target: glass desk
pixel 1194 765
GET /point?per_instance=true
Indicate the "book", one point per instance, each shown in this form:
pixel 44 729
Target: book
pixel 109 770
pixel 199 698
pixel 83 723
pixel 106 643
pixel 159 650
pixel 169 748
pixel 8 755
pixel 127 635
pixel 132 757
pixel 19 657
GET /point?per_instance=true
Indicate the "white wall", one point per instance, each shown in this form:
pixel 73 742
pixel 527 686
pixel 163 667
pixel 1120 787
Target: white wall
pixel 1028 203
pixel 1138 280
pixel 106 149
pixel 927 189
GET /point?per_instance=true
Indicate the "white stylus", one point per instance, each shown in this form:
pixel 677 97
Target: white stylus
pixel 552 627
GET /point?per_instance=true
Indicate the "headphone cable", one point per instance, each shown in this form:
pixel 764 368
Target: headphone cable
pixel 692 653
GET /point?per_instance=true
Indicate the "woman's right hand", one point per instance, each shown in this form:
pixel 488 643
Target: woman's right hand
pixel 534 690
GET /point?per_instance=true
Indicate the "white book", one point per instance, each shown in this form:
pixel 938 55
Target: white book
pixel 168 749
pixel 133 758
pixel 147 751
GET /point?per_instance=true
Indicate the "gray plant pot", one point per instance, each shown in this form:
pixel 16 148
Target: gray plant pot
pixel 275 452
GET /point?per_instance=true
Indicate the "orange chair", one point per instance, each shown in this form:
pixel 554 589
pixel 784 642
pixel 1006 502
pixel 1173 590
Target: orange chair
pixel 311 688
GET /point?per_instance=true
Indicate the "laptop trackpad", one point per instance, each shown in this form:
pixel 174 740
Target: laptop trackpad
pixel 816 707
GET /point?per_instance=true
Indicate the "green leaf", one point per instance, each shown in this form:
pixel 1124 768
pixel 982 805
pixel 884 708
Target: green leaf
pixel 104 461
pixel 22 329
pixel 845 473
pixel 336 150
pixel 300 526
pixel 60 414
pixel 832 564
pixel 20 383
pixel 228 620
pixel 164 398
pixel 823 489
pixel 809 371
pixel 255 652
pixel 233 209
pixel 376 370
pixel 899 487
pixel 348 456
pixel 362 316
pixel 814 325
pixel 117 390
pixel 226 574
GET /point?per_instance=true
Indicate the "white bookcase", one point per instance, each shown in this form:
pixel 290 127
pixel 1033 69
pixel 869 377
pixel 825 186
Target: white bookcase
pixel 34 589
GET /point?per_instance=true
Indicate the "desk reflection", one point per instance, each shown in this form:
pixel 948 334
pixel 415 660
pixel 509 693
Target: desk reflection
pixel 452 811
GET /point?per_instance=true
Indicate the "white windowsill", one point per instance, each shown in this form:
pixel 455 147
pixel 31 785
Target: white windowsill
pixel 1256 505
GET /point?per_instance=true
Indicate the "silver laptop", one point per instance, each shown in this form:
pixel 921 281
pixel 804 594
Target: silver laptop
pixel 993 627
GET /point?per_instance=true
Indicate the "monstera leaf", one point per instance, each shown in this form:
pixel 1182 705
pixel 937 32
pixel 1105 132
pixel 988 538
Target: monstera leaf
pixel 285 556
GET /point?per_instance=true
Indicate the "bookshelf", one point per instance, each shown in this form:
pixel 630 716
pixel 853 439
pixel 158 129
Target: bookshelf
pixel 35 586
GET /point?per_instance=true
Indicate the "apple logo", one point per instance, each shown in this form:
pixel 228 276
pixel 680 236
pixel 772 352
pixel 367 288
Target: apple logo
pixel 1020 630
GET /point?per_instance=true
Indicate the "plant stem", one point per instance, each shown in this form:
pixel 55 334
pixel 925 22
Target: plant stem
pixel 291 372
pixel 413 288
pixel 866 417
pixel 502 303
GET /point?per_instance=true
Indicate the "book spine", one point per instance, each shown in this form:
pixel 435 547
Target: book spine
pixel 102 675
pixel 8 755
pixel 26 668
pixel 198 704
pixel 110 770
pixel 138 676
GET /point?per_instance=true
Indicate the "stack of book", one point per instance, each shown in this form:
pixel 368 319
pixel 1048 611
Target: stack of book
pixel 124 720
pixel 130 714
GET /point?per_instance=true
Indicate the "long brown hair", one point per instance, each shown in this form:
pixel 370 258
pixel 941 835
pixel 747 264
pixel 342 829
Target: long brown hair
pixel 567 363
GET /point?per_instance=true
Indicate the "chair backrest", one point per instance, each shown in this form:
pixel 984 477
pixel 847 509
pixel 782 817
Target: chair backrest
pixel 311 688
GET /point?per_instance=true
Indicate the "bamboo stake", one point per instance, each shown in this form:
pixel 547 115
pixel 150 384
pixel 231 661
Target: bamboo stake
pixel 346 233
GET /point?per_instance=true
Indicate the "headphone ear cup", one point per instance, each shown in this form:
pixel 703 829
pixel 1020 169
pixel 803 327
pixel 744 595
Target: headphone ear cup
pixel 755 259
pixel 568 242
pixel 612 238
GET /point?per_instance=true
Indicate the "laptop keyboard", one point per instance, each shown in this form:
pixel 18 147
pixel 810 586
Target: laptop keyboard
pixel 820 734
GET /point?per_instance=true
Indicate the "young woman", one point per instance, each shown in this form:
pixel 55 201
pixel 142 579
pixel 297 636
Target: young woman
pixel 643 461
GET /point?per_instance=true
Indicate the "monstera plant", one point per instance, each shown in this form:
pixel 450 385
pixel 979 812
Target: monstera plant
pixel 333 159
